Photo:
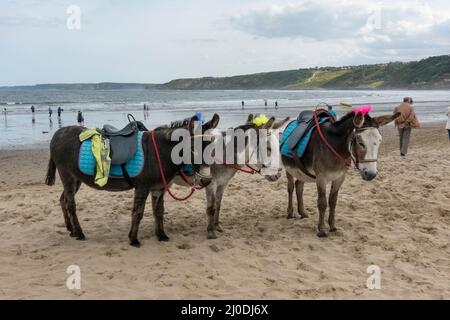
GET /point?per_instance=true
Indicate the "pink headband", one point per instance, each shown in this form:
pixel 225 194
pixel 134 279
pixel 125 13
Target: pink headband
pixel 364 109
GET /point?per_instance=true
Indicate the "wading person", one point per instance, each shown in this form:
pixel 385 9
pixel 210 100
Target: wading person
pixel 276 105
pixel 32 110
pixel 50 112
pixel 243 104
pixel 448 123
pixel 80 119
pixel 405 123
pixel 60 110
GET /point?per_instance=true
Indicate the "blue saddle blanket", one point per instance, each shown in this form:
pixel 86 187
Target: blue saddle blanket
pixel 134 167
pixel 302 144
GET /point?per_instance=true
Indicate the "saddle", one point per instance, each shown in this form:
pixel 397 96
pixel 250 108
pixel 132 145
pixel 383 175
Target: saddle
pixel 123 143
pixel 305 122
pixel 297 134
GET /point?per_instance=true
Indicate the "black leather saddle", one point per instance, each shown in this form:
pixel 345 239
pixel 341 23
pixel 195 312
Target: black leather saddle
pixel 124 142
pixel 305 123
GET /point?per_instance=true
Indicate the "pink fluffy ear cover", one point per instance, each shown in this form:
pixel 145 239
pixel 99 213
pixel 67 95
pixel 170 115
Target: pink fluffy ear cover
pixel 364 109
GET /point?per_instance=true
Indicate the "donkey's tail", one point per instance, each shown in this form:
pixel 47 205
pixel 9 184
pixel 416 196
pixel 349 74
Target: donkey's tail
pixel 51 173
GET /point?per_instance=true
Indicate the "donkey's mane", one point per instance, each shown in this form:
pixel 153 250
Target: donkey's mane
pixel 175 124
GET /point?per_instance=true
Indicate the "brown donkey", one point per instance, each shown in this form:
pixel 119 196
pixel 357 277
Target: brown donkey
pixel 353 137
pixel 64 157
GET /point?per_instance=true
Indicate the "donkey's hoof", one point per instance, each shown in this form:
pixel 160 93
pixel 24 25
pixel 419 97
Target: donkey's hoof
pixel 219 228
pixel 304 216
pixel 163 238
pixel 322 234
pixel 290 216
pixel 135 243
pixel 80 237
pixel 212 235
pixel 333 229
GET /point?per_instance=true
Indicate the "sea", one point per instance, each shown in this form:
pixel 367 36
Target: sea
pixel 20 130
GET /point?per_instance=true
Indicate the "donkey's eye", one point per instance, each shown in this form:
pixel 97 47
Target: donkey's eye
pixel 361 144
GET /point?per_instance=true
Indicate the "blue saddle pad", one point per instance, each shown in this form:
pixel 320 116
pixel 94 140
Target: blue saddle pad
pixel 134 167
pixel 302 144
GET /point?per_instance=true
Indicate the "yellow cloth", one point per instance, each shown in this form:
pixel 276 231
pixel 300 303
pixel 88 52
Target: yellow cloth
pixel 261 120
pixel 100 149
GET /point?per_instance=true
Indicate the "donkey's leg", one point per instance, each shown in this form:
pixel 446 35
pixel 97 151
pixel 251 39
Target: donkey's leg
pixel 335 186
pixel 211 211
pixel 158 214
pixel 62 201
pixel 140 197
pixel 219 196
pixel 71 186
pixel 290 196
pixel 321 205
pixel 299 185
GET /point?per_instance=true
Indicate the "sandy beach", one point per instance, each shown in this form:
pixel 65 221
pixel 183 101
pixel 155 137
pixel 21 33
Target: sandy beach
pixel 399 222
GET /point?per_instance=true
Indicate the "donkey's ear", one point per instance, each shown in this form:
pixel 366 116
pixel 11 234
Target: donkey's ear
pixel 279 123
pixel 383 120
pixel 250 119
pixel 213 123
pixel 358 120
pixel 269 123
pixel 193 125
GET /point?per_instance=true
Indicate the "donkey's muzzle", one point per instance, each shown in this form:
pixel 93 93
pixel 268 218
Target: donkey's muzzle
pixel 368 175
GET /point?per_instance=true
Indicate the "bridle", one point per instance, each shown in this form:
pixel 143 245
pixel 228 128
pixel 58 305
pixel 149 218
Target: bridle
pixel 183 176
pixel 247 168
pixel 355 158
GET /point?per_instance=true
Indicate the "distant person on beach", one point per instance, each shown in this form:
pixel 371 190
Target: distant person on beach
pixel 405 123
pixel 330 110
pixel 276 105
pixel 243 104
pixel 50 112
pixel 265 104
pixel 60 110
pixel 448 123
pixel 32 109
pixel 4 112
pixel 80 118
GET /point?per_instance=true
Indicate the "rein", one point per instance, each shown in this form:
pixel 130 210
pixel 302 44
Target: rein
pixel 238 168
pixel 161 171
pixel 345 161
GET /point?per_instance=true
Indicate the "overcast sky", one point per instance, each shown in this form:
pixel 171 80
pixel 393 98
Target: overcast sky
pixel 156 41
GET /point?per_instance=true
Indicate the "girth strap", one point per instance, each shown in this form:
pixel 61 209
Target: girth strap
pixel 301 166
pixel 126 175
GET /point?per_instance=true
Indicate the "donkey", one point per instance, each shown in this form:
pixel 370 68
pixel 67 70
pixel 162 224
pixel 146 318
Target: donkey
pixel 222 173
pixel 64 155
pixel 355 137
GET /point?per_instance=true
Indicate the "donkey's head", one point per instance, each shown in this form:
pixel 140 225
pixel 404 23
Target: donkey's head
pixel 267 146
pixel 195 139
pixel 365 142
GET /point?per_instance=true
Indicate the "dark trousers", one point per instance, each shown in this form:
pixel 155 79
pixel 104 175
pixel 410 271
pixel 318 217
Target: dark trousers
pixel 405 135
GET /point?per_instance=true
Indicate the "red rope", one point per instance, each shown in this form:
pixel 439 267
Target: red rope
pixel 166 186
pixel 345 161
pixel 238 168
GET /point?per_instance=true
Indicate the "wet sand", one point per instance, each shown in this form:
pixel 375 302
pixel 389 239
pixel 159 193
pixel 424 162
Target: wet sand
pixel 400 222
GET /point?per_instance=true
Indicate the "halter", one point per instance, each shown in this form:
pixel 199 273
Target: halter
pixel 163 177
pixel 250 170
pixel 354 157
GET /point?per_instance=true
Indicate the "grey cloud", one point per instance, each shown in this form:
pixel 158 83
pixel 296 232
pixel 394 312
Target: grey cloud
pixel 310 20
